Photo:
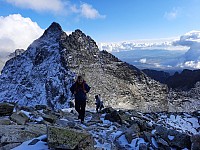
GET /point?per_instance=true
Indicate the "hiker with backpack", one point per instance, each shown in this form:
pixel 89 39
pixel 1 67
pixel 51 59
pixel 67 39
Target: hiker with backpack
pixel 79 89
pixel 99 103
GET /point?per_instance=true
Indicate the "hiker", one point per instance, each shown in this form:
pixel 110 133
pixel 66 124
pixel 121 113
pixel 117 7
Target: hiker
pixel 79 89
pixel 99 103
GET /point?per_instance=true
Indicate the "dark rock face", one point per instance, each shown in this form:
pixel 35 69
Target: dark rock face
pixel 185 80
pixel 182 81
pixel 45 71
pixel 160 76
pixel 6 109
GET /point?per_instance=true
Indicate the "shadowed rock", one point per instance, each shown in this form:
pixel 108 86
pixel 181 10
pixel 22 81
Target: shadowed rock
pixel 6 109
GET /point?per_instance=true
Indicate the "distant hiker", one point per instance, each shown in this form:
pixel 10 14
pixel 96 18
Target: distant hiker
pixel 79 89
pixel 99 103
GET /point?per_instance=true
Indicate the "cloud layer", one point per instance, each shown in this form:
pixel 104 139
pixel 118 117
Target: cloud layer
pixel 166 44
pixel 189 41
pixel 17 32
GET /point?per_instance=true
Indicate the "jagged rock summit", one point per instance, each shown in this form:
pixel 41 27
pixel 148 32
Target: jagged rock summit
pixel 45 71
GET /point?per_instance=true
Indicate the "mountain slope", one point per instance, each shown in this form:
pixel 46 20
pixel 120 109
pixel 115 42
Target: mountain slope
pixel 160 76
pixel 184 80
pixel 46 70
pixel 34 76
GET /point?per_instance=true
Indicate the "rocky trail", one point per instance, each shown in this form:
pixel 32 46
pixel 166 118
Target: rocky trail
pixel 41 128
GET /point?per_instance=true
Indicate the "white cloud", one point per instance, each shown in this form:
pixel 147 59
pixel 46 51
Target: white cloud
pixel 143 60
pixel 89 12
pixel 58 7
pixel 190 64
pixel 191 59
pixel 173 14
pixel 166 44
pixel 17 32
pixel 190 39
pixel 39 5
pixel 68 32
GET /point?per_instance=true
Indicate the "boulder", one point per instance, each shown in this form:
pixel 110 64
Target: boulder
pixel 195 139
pixel 108 110
pixel 180 140
pixel 19 119
pixel 4 121
pixel 6 109
pixel 114 117
pixel 67 138
pixel 132 132
pixel 50 118
pixel 10 135
pixel 143 146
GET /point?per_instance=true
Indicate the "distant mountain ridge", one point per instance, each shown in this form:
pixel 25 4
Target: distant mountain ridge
pixel 184 80
pixel 45 71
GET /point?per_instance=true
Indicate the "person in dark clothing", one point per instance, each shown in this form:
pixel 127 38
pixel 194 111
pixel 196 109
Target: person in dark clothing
pixel 99 103
pixel 79 89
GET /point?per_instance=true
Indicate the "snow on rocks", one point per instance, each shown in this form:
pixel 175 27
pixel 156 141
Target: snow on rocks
pixel 129 130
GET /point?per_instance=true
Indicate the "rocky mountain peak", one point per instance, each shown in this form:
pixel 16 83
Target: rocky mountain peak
pixel 54 27
pixel 53 32
pixel 82 40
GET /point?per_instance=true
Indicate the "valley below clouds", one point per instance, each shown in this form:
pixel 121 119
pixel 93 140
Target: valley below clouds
pixel 177 54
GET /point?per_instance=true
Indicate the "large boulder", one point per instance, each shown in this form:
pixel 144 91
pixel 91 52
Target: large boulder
pixel 6 109
pixel 173 137
pixel 114 116
pixel 20 119
pixel 132 132
pixel 18 134
pixel 5 121
pixel 67 138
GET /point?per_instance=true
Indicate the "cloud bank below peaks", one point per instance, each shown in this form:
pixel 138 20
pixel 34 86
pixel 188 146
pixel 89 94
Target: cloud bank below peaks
pixel 160 44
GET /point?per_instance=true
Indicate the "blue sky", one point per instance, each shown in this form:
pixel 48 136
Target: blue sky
pixel 115 20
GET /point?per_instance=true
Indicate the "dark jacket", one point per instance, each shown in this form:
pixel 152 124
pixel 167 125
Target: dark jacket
pixel 80 90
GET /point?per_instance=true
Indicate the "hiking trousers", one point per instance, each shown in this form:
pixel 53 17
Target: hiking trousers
pixel 80 108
